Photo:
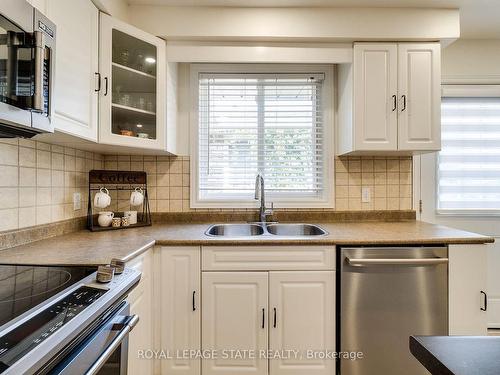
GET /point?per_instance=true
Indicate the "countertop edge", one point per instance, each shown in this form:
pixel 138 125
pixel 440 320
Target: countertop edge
pixel 314 241
pixel 426 358
pixel 134 254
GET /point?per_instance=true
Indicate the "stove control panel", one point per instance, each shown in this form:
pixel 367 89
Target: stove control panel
pixel 31 333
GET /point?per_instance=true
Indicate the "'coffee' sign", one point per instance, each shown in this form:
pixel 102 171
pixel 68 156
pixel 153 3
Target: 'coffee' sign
pixel 116 177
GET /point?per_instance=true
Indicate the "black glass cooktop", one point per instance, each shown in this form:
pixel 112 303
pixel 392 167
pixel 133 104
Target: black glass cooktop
pixel 24 287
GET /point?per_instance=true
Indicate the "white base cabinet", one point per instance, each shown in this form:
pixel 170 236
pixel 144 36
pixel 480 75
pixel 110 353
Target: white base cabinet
pixel 235 317
pixel 467 289
pixel 302 318
pixel 180 308
pixel 295 309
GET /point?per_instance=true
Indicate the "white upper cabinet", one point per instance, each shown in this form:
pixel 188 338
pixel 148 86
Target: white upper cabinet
pixel 420 96
pixel 132 101
pixel 389 99
pixel 75 99
pixel 375 90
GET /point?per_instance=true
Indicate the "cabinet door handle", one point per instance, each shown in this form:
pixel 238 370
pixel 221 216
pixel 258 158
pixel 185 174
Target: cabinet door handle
pixel 263 318
pixel 274 318
pixel 394 103
pixel 194 300
pixel 485 301
pixel 404 102
pixel 98 75
pixel 105 86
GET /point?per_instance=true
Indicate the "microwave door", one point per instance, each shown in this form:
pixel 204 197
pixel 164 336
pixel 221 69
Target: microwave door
pixel 16 70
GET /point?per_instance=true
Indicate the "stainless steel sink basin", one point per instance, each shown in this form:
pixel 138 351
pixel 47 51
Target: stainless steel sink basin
pixel 235 230
pixel 293 230
pixel 257 229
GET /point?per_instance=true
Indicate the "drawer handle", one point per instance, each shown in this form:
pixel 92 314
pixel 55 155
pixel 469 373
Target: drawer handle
pixel 485 301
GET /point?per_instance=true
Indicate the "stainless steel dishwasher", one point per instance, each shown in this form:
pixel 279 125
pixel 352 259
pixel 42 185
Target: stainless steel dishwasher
pixel 386 295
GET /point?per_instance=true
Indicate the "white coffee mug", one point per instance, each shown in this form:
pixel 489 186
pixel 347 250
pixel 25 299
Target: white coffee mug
pixel 102 199
pixel 132 216
pixel 137 197
pixel 105 218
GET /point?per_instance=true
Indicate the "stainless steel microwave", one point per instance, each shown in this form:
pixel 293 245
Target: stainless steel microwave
pixel 27 61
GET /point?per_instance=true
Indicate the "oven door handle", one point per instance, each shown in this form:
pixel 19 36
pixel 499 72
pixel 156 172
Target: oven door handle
pixel 125 328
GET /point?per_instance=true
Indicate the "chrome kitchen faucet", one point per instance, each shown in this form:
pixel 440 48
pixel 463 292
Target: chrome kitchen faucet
pixel 260 189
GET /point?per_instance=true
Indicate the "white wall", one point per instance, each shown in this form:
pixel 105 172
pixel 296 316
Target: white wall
pixel 296 24
pixel 472 60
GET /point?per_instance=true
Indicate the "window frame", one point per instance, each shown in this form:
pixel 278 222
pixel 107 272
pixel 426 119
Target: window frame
pixel 465 91
pixel 328 102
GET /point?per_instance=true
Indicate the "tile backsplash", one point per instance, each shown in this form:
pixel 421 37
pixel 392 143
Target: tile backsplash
pixel 388 178
pixel 38 181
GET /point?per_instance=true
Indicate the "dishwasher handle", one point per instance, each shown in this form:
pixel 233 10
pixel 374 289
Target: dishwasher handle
pixel 396 261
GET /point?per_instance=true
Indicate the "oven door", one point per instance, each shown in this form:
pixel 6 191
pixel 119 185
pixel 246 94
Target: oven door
pixel 105 351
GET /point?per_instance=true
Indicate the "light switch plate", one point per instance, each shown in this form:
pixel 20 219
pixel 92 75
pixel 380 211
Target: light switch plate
pixel 77 201
pixel 366 195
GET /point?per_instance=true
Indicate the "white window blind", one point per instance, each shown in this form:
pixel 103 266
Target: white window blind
pixel 469 162
pixel 260 123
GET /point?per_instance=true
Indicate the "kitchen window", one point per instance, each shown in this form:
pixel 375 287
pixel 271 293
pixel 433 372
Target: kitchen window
pixel 272 120
pixel 469 162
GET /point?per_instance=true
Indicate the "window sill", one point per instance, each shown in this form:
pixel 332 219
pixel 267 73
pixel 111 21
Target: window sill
pixel 255 205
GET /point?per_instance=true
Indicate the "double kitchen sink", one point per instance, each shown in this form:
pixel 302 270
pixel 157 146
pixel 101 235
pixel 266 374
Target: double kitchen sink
pixel 265 229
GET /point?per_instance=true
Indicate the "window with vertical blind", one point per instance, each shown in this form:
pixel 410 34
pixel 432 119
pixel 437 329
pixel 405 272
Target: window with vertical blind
pixel 469 161
pixel 263 122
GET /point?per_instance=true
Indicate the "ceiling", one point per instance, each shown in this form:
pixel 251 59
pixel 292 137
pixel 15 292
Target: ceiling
pixel 479 19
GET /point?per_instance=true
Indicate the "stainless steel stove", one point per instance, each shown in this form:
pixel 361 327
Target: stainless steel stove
pixel 60 320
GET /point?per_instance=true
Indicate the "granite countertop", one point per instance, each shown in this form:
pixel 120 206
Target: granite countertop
pixel 95 248
pixel 457 355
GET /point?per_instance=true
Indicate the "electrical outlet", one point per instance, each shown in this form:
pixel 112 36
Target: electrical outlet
pixel 77 201
pixel 366 195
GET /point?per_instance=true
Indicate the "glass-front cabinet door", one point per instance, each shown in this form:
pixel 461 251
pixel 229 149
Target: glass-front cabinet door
pixel 132 90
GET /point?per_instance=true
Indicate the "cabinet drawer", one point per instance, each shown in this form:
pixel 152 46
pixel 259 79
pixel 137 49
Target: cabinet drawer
pixel 268 258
